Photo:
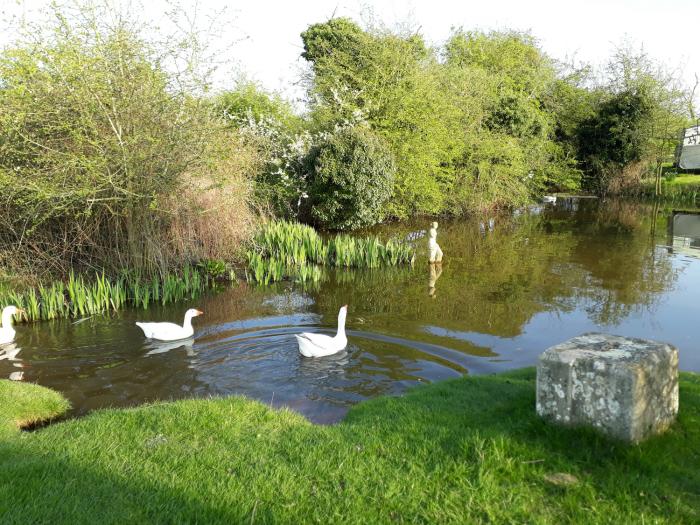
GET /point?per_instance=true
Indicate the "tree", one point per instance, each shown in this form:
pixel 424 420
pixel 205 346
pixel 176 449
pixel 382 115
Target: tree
pixel 518 80
pixel 632 129
pixel 393 84
pixel 351 179
pixel 100 147
pixel 249 101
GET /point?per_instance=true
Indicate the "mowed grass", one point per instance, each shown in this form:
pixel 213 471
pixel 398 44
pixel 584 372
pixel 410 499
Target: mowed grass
pixel 684 180
pixel 469 450
pixel 23 405
pixel 684 188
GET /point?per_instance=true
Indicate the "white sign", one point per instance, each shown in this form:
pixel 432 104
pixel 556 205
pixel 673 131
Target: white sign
pixel 689 158
pixel 692 136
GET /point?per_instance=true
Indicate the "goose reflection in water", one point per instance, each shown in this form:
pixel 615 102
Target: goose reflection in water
pixel 161 348
pixel 333 364
pixel 9 352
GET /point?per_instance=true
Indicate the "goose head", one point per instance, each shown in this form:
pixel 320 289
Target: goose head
pixel 189 314
pixel 10 311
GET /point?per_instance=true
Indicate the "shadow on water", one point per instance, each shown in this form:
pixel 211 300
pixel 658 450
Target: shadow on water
pixel 510 286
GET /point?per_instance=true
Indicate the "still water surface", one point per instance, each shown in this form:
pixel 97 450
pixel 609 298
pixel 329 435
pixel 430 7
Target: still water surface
pixel 509 287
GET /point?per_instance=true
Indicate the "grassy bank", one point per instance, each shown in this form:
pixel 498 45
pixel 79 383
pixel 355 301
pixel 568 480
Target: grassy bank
pixel 683 188
pixel 24 404
pixel 461 451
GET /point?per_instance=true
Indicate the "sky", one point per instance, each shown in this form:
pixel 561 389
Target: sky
pixel 261 38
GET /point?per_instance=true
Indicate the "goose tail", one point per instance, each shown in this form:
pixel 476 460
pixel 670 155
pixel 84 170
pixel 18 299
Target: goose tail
pixel 144 327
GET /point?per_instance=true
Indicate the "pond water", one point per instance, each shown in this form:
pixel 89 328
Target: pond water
pixel 510 286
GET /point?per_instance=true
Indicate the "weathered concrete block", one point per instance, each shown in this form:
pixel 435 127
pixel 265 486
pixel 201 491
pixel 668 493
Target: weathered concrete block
pixel 627 388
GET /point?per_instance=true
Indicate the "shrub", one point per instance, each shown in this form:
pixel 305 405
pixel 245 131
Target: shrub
pixel 249 101
pixel 393 84
pixel 102 151
pixel 633 127
pixel 351 178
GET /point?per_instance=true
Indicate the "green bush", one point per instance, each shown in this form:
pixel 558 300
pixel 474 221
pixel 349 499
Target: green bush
pixel 351 178
pixel 394 84
pixel 106 159
pixel 633 126
pixel 249 101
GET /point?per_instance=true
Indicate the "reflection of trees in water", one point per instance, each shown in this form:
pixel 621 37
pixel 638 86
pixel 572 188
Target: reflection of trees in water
pixel 625 271
pixel 600 257
pixel 493 284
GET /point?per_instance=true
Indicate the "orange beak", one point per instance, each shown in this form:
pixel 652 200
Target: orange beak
pixel 345 306
pixel 199 312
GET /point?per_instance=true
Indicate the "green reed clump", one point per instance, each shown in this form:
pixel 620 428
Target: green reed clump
pixel 291 242
pixel 307 274
pixel 80 296
pixel 290 250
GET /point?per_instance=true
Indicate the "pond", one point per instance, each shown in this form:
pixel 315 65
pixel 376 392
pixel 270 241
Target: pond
pixel 510 286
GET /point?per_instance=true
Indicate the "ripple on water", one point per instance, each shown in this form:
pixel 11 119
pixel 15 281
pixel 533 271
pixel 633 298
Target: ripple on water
pixel 502 297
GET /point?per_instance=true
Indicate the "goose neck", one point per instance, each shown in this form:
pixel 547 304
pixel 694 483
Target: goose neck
pixel 341 324
pixel 6 319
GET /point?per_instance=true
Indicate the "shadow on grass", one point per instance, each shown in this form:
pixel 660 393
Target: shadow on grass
pixel 466 450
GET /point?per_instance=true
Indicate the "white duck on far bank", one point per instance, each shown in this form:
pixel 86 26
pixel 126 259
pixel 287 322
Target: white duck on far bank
pixel 321 345
pixel 170 331
pixel 7 333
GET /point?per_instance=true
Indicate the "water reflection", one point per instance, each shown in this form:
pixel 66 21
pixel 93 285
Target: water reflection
pixel 435 272
pixel 9 351
pixel 159 347
pixel 511 285
pixel 684 233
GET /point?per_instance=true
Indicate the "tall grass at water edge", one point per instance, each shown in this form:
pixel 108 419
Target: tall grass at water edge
pixel 681 189
pixel 291 250
pixel 80 296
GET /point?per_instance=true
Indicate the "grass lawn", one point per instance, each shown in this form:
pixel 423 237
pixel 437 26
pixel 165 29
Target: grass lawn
pixel 684 180
pixel 25 404
pixel 682 187
pixel 461 451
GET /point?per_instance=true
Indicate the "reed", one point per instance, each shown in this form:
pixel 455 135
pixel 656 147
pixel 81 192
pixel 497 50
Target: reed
pixel 291 250
pixel 80 296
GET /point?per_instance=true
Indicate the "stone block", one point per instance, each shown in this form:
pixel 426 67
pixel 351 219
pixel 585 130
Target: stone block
pixel 627 388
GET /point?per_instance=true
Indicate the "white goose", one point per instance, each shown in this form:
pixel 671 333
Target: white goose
pixel 171 331
pixel 320 345
pixel 7 333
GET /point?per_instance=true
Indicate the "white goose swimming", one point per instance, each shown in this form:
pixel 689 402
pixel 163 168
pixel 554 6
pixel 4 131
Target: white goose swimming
pixel 7 333
pixel 320 345
pixel 171 331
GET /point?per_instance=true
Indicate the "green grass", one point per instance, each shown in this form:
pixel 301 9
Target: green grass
pixel 684 180
pixel 25 404
pixel 462 451
pixel 681 188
